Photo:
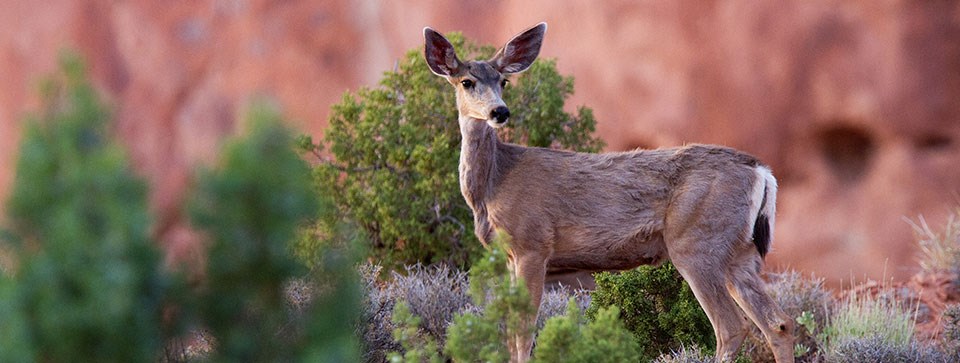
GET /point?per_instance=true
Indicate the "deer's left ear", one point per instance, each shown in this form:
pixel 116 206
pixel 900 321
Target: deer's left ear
pixel 520 52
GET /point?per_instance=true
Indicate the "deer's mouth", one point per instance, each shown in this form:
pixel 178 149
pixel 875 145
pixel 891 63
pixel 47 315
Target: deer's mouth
pixel 495 123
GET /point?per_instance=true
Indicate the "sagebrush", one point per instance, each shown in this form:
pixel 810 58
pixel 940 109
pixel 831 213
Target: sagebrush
pixel 485 326
pixel 434 295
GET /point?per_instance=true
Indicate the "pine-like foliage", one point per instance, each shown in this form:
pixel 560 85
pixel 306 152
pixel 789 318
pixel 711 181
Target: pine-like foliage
pixel 657 306
pixel 506 303
pixel 251 207
pixel 84 282
pixel 568 339
pixel 88 286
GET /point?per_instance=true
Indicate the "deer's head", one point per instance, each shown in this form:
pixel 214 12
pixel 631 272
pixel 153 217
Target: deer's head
pixel 480 84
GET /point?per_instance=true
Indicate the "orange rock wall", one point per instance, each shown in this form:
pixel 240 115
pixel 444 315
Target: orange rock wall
pixel 856 105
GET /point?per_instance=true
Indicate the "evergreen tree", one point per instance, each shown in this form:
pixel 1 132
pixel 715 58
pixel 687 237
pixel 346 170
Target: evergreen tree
pixel 251 208
pixel 88 285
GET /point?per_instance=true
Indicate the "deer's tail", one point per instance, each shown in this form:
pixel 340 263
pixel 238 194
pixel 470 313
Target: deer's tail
pixel 764 202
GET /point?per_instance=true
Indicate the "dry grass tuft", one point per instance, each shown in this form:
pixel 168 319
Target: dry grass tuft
pixel 882 319
pixel 939 251
pixel 686 354
pixel 554 303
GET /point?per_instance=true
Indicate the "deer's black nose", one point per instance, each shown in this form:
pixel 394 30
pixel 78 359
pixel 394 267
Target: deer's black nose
pixel 501 114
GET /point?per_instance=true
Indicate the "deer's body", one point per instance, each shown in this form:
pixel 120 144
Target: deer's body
pixel 709 209
pixel 598 212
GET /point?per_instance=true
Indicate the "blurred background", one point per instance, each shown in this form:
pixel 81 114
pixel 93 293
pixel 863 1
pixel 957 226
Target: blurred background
pixel 855 105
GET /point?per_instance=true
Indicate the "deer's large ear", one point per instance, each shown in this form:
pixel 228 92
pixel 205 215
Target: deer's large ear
pixel 439 53
pixel 520 52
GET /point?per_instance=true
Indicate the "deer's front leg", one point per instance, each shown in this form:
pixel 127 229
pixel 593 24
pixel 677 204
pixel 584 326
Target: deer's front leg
pixel 532 269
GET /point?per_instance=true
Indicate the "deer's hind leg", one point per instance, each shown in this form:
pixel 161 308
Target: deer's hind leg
pixel 746 287
pixel 729 324
pixel 702 233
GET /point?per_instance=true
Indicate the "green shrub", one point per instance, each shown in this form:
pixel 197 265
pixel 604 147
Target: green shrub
pixel 484 334
pixel 434 295
pixel 656 305
pixel 566 339
pixel 558 339
pixel 329 322
pixel 250 208
pixel 418 347
pixel 504 300
pixel 474 335
pixel 88 285
pixel 396 150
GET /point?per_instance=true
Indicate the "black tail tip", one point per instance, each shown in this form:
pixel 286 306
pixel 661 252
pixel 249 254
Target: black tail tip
pixel 761 235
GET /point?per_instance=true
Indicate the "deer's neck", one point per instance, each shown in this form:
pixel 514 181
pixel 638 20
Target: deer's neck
pixel 478 161
pixel 484 161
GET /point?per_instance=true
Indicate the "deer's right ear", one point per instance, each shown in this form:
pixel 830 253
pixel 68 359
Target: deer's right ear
pixel 439 53
pixel 520 52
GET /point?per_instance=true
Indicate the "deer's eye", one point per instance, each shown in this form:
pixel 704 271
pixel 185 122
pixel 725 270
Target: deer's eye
pixel 467 83
pixel 503 83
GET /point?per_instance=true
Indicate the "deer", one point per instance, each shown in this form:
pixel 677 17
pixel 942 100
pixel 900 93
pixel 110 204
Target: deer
pixel 709 209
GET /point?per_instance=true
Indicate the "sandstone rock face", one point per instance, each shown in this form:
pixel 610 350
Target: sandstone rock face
pixel 856 105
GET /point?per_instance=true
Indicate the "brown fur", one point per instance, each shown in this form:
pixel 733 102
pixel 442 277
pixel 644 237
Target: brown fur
pixel 695 205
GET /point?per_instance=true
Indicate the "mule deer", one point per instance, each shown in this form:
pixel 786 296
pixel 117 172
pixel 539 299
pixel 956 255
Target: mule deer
pixel 709 209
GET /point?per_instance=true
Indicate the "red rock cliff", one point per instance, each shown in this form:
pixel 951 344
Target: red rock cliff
pixel 856 105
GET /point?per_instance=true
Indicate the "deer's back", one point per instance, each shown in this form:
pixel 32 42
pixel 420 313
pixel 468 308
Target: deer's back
pixel 600 211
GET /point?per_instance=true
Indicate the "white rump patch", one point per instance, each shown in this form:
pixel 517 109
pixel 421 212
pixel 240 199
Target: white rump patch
pixel 765 185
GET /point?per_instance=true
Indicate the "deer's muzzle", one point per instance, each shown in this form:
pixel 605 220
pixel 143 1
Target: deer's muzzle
pixel 500 114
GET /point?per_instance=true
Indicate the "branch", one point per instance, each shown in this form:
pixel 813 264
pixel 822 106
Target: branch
pixel 326 161
pixel 448 218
